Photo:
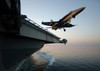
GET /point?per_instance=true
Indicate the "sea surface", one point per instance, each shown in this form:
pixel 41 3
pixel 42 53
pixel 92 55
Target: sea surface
pixel 60 57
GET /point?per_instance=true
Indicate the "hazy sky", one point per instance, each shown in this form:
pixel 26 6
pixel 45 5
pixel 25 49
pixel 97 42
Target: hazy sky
pixel 88 21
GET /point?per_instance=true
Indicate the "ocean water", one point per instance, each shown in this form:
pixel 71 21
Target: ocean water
pixel 60 57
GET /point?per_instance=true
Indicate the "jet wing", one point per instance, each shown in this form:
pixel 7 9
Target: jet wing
pixel 48 23
pixel 71 14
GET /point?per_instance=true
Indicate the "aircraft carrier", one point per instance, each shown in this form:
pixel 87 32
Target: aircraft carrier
pixel 19 36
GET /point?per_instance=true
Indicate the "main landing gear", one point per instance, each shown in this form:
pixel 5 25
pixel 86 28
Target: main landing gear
pixel 64 29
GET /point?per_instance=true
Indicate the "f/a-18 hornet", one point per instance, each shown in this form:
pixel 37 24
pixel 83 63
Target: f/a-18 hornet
pixel 65 21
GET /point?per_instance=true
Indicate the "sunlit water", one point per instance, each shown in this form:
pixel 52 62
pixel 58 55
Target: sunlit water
pixel 59 57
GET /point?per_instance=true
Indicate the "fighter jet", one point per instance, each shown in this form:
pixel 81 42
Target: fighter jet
pixel 65 21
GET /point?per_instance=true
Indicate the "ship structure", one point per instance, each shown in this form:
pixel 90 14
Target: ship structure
pixel 19 36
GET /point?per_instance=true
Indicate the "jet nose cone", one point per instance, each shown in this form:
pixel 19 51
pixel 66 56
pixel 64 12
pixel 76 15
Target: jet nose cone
pixel 83 8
